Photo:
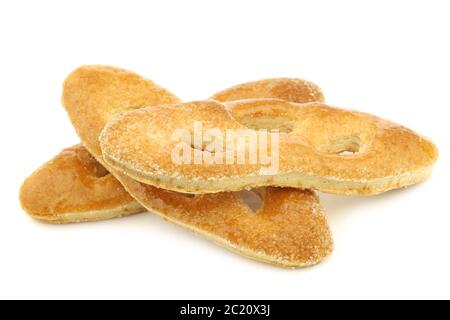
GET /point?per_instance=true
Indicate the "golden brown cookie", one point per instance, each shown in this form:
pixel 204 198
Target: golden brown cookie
pixel 74 187
pixel 290 230
pixel 289 89
pixel 320 147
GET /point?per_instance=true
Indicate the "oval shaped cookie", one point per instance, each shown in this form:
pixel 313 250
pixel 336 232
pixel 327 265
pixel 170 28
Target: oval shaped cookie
pixel 74 187
pixel 318 147
pixel 290 230
pixel 290 89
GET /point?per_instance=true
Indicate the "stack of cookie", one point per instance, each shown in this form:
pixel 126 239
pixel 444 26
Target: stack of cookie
pixel 143 149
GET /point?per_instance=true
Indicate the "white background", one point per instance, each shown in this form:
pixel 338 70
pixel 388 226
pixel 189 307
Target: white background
pixel 390 58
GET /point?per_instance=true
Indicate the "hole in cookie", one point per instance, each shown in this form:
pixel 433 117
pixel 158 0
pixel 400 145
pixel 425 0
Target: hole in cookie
pixel 100 172
pixel 188 195
pixel 265 117
pixel 252 198
pixel 347 153
pixel 256 122
pixel 343 146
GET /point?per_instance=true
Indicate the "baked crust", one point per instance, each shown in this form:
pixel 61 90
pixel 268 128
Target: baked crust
pixel 291 229
pixel 74 187
pixel 312 141
pixel 289 89
pixel 112 91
